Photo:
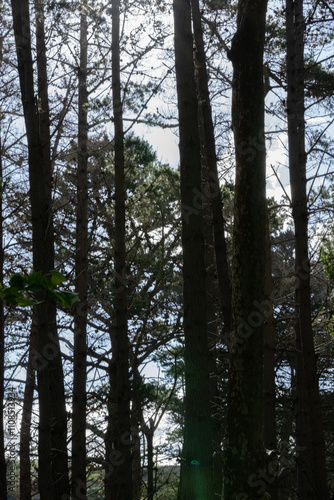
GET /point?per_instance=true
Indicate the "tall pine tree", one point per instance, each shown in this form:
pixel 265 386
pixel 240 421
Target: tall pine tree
pixel 196 466
pixel 244 444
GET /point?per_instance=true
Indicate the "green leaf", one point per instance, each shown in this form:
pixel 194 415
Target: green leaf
pixel 36 278
pixel 57 296
pixel 57 278
pixel 23 287
pixel 34 288
pixel 67 299
pixel 70 298
pixel 17 281
pixel 26 302
pixel 10 295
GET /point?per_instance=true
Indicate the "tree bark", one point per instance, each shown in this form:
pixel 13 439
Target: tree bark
pixel 79 487
pixel 118 484
pixel 269 385
pixel 212 315
pixel 216 255
pixel 3 478
pixel 25 434
pixel 311 461
pixel 196 459
pixel 213 336
pixel 52 446
pixel 269 420
pixel 213 192
pixel 136 452
pixel 245 457
pixel 149 433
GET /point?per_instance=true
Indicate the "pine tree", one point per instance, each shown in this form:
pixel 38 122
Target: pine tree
pixel 196 459
pixel 311 463
pixel 52 444
pixel 244 442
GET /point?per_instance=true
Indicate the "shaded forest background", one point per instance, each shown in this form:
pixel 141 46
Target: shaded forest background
pixel 166 331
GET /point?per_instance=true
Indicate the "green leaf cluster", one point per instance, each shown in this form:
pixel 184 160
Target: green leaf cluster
pixel 22 289
pixel 319 80
pixel 327 259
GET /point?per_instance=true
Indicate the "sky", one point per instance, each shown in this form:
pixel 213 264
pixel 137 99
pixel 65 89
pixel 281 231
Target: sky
pixel 164 141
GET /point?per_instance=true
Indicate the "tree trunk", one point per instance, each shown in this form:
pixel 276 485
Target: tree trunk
pixel 269 385
pixel 149 433
pixel 213 336
pixel 136 451
pixel 245 457
pixel 269 420
pixel 213 192
pixel 196 460
pixel 78 485
pixel 311 462
pixel 52 446
pixel 212 309
pixel 216 256
pixel 3 479
pixel 25 434
pixel 118 484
